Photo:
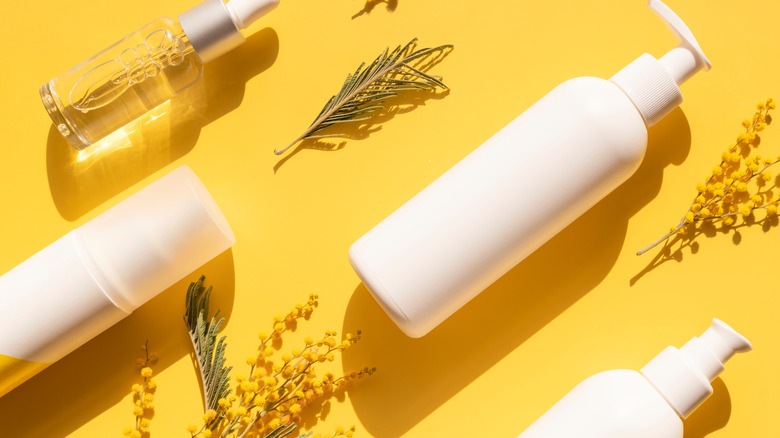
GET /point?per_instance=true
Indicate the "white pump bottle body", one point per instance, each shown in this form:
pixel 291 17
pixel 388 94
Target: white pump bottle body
pixel 612 404
pixel 650 403
pixel 521 187
pixel 556 160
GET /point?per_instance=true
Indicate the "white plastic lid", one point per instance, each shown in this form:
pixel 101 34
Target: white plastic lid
pixel 154 238
pixel 653 84
pixel 214 28
pixel 683 376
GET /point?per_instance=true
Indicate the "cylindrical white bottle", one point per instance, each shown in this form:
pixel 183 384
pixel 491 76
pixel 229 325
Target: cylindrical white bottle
pixel 645 404
pixel 97 274
pixel 520 188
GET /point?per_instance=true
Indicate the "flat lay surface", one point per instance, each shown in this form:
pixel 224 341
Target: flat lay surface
pixel 582 303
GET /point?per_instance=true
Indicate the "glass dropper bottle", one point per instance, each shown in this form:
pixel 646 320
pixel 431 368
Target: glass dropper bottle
pixel 145 69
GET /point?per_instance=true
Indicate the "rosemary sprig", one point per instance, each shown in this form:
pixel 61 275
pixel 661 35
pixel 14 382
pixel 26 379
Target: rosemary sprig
pixel 365 91
pixel 209 351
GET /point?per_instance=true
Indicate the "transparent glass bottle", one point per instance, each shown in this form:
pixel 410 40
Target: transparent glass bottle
pixel 122 82
pixel 145 69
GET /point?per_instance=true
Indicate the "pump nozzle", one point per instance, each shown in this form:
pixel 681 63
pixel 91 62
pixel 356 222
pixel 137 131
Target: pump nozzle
pixel 687 58
pixel 654 85
pixel 710 351
pixel 683 376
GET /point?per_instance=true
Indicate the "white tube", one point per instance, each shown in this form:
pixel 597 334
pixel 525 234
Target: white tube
pixel 97 274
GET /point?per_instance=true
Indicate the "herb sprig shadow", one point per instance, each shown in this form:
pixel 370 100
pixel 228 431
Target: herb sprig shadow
pixel 358 131
pixel 366 93
pixel 390 5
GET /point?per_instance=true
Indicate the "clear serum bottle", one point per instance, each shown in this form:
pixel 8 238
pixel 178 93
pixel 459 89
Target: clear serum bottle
pixel 145 69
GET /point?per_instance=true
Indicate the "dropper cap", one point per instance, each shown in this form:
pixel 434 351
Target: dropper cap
pixel 683 376
pixel 214 27
pixel 653 84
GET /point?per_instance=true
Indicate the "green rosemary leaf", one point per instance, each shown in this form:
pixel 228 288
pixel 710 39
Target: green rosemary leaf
pixel 364 91
pixel 209 351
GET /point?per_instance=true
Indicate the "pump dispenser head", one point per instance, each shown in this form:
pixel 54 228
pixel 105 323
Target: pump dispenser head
pixel 683 376
pixel 214 27
pixel 653 84
pixel 687 58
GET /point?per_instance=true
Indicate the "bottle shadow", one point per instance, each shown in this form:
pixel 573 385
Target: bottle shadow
pixel 81 180
pixel 415 376
pixel 100 373
pixel 713 415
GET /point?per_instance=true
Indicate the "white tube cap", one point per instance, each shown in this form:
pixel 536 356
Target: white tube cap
pixel 154 238
pixel 214 28
pixel 653 84
pixel 683 376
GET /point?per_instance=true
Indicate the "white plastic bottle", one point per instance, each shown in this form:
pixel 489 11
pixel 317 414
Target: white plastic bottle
pixel 646 404
pixel 145 69
pixel 99 273
pixel 521 187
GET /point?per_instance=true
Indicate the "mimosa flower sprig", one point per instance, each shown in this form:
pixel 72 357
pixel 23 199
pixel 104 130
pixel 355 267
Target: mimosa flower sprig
pixel 143 396
pixel 267 402
pixel 736 187
pixel 365 91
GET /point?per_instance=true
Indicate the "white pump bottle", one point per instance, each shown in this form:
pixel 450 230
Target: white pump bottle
pixel 645 404
pixel 498 205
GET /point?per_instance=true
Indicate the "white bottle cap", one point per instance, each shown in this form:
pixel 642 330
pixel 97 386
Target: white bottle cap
pixel 652 84
pixel 154 238
pixel 683 376
pixel 214 28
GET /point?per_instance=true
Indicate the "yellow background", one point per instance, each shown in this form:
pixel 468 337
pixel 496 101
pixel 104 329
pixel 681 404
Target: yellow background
pixel 583 303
